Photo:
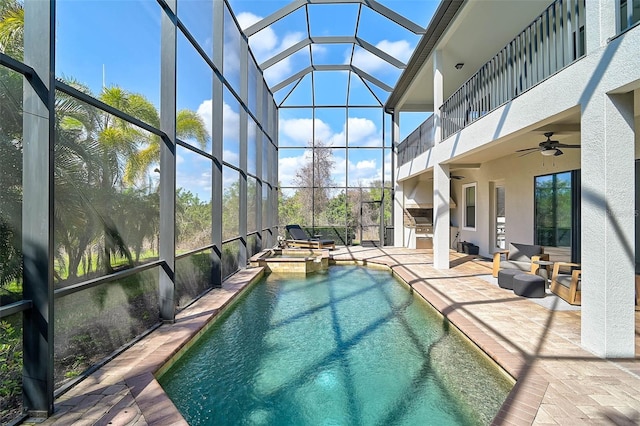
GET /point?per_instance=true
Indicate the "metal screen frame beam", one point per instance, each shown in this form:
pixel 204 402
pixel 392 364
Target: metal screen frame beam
pixel 333 40
pixel 38 207
pixel 167 242
pixel 371 4
pixel 216 145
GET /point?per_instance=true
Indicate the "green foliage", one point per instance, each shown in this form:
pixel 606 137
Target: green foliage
pixel 10 368
pixel 553 198
pixel 339 212
pixel 290 210
pixel 193 220
pixel 10 212
pixel 12 28
pixel 230 209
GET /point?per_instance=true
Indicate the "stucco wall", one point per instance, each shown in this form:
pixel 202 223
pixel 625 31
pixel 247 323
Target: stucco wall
pixel 517 174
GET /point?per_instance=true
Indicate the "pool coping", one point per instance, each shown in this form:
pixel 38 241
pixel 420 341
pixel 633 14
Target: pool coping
pixel 125 390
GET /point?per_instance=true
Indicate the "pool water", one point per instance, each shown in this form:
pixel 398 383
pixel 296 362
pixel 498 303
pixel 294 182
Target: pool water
pixel 349 346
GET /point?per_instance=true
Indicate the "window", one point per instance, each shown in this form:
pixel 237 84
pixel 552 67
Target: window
pixel 469 207
pixel 628 14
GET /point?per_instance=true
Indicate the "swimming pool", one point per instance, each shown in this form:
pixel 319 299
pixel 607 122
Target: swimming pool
pixel 346 346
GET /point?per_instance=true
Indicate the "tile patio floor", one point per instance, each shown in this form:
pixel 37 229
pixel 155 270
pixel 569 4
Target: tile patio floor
pixel 557 381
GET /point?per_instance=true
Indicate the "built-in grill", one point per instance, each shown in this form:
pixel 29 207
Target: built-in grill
pixel 422 220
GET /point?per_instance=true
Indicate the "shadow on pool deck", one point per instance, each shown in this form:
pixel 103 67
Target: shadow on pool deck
pixel 558 382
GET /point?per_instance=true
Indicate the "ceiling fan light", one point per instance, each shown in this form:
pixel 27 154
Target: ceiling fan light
pixel 548 152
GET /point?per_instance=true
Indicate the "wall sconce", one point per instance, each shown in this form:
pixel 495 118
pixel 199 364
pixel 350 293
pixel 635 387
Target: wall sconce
pixel 459 65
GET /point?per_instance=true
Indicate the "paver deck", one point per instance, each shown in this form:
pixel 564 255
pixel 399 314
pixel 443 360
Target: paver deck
pixel 558 382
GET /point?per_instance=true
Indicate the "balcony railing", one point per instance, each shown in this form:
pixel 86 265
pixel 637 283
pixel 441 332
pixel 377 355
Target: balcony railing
pixel 552 41
pixel 417 142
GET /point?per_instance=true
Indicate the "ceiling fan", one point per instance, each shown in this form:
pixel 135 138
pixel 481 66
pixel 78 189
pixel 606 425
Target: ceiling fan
pixel 548 147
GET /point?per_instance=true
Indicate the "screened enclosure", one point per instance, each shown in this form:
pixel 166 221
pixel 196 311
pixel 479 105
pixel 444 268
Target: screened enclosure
pixel 150 147
pixel 331 67
pixel 137 170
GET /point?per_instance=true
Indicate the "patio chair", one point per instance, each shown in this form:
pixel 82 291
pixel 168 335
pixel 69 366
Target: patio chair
pixel 519 256
pixel 567 284
pixel 299 238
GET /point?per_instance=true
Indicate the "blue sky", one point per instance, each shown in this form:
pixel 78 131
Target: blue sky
pixel 117 42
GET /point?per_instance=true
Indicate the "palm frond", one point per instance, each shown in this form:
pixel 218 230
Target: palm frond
pixel 12 30
pixel 190 125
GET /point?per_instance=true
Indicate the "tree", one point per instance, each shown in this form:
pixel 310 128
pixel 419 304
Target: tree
pixel 230 209
pixel 290 209
pixel 313 180
pixel 12 28
pixel 100 163
pixel 193 220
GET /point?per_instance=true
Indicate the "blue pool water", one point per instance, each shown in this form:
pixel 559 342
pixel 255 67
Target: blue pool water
pixel 350 346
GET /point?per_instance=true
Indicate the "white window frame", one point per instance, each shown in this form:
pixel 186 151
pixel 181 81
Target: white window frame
pixel 473 185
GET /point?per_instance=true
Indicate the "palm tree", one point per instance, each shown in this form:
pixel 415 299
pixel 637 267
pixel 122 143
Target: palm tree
pixel 12 28
pixel 131 151
pixel 97 157
pixel 11 17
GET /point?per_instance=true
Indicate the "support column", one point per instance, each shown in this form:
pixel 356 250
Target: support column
pixel 441 216
pixel 600 23
pixel 398 193
pixel 608 226
pixel 441 184
pixel 37 207
pixel 167 247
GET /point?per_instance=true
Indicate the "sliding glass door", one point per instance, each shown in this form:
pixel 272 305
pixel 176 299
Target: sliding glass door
pixel 557 214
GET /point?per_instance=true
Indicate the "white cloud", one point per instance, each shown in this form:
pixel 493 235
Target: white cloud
pixel 365 165
pixel 299 131
pixel 231 119
pixel 398 49
pixel 371 63
pixel 262 42
pixel 231 122
pixel 266 43
pixel 194 175
pixel 205 112
pixel 230 156
pixel 288 166
pixel 364 173
pixel 363 132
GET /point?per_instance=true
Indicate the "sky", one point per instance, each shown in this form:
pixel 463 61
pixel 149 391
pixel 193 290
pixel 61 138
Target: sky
pixel 93 50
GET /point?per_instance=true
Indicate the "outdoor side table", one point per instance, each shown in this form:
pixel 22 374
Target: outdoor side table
pixel 548 266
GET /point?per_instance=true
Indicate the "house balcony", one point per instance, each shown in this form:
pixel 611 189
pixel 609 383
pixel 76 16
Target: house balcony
pixel 551 42
pixel 419 141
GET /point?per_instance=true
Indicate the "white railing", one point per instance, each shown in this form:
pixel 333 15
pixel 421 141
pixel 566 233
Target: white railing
pixel 551 42
pixel 417 142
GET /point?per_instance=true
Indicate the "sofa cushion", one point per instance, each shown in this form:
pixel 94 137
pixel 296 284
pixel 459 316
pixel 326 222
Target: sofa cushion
pixel 521 266
pixel 523 252
pixel 565 280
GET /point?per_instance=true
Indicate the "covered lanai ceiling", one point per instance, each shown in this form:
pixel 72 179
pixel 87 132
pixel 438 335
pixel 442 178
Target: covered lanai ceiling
pixel 333 52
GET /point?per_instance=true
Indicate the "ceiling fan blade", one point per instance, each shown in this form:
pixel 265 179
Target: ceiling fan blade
pixel 558 153
pixel 564 145
pixel 527 153
pixel 527 149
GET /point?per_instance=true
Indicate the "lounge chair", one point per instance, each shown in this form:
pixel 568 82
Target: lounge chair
pixel 519 256
pixel 567 285
pixel 299 238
